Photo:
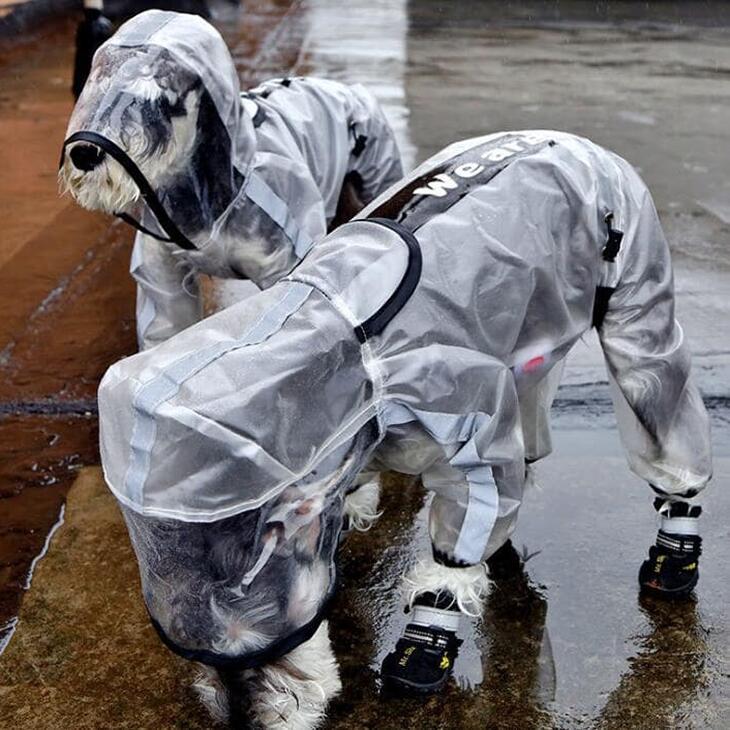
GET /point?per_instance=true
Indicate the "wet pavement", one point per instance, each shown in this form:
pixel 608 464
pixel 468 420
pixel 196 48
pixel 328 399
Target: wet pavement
pixel 66 296
pixel 565 642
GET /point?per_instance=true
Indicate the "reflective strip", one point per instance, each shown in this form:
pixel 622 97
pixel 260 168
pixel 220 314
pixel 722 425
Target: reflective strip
pixel 137 258
pixel 428 616
pixel 259 192
pixel 154 393
pixel 481 509
pixel 446 428
pixel 145 318
pixel 681 525
pixel 142 29
pixel 483 503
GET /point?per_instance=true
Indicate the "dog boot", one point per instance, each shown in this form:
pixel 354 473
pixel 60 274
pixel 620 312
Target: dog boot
pixel 672 568
pixel 424 657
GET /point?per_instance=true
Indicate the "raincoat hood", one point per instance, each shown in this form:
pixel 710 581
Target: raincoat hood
pixel 163 96
pixel 202 434
pixel 232 445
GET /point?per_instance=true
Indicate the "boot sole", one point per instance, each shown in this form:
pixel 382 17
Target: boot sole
pixel 403 686
pixel 670 593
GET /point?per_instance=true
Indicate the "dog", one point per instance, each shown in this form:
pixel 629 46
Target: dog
pixel 426 337
pixel 236 186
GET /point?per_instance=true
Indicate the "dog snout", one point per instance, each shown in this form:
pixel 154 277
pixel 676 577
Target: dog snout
pixel 86 157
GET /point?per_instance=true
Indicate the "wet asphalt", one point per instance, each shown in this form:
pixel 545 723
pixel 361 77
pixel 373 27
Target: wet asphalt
pixel 565 641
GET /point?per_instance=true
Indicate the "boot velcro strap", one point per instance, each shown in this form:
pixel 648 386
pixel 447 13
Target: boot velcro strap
pixel 430 637
pixel 689 544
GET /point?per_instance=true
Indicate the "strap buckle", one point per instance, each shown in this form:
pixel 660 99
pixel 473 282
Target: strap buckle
pixel 613 244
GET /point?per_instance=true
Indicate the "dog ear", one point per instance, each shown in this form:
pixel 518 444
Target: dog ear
pixel 212 160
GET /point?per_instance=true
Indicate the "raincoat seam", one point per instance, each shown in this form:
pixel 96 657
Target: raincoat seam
pixel 145 426
pixel 369 360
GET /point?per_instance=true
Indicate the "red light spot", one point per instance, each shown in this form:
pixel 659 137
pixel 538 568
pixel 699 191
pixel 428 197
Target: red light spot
pixel 533 364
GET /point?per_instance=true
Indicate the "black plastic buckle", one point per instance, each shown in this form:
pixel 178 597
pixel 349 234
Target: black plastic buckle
pixel 360 143
pixel 613 245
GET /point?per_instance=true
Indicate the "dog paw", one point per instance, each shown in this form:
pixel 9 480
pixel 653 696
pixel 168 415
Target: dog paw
pixel 361 506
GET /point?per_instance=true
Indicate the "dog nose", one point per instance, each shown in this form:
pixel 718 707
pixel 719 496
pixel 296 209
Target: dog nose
pixel 86 156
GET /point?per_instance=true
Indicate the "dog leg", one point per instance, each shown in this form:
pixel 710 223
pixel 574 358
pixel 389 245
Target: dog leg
pixel 293 692
pixel 212 693
pixel 289 694
pixel 424 656
pixel 468 587
pixel 361 505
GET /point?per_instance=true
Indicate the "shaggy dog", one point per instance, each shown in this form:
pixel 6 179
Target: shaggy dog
pixel 159 131
pixel 425 337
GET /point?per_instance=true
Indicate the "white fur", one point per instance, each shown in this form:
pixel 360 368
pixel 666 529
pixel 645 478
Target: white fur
pixel 310 584
pixel 107 188
pixel 289 694
pixel 361 506
pixel 238 635
pixel 531 478
pixel 293 693
pixel 212 693
pixel 469 586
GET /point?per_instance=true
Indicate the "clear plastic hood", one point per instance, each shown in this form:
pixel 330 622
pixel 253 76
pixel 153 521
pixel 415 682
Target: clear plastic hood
pixel 226 415
pixel 154 87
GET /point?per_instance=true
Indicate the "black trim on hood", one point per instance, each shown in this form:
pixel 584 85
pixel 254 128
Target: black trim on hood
pixel 375 324
pixel 148 194
pixel 256 658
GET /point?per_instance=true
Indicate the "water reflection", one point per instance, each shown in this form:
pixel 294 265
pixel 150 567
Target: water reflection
pixel 666 675
pixel 519 662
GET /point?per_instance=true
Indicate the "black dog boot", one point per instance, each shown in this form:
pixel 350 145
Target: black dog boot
pixel 424 657
pixel 672 568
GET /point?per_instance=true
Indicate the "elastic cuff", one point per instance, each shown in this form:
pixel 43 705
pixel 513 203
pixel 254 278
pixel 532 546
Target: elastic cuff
pixel 680 525
pixel 674 496
pixel 448 561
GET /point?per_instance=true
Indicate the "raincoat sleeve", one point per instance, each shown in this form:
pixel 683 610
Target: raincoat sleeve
pixel 375 156
pixel 478 483
pixel 168 298
pixel 662 421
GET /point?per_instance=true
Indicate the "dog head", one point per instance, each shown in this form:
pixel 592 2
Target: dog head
pixel 228 591
pixel 147 104
pixel 160 124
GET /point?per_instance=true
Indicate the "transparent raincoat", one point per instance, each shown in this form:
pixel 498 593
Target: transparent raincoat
pixel 426 337
pixel 244 183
